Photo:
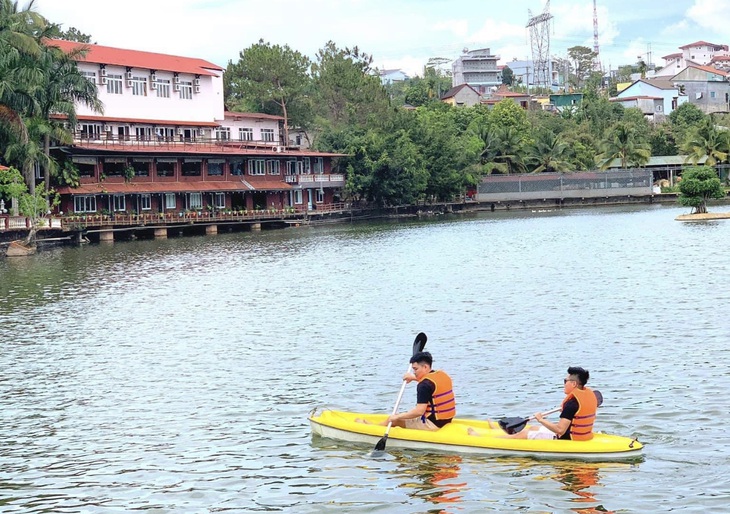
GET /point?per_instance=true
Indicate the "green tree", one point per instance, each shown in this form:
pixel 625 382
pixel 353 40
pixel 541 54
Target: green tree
pixel 21 31
pixel 63 87
pixel 707 142
pixel 698 185
pixel 547 153
pixel 622 144
pixel 346 88
pixel 581 57
pixel 508 76
pixel 268 73
pixel 72 34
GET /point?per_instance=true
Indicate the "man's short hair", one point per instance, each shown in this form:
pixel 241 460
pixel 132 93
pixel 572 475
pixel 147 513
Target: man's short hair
pixel 581 374
pixel 422 358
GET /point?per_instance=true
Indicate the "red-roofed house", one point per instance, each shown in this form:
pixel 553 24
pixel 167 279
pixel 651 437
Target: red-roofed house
pixel 165 144
pixel 699 53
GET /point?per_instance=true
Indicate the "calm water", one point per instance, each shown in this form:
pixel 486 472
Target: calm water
pixel 177 375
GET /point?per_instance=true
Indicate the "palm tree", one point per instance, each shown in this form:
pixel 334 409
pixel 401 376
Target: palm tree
pixel 548 153
pixel 622 145
pixel 503 150
pixel 20 34
pixel 63 87
pixel 707 141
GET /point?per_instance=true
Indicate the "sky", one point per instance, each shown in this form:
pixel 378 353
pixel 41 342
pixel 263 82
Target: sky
pixel 399 34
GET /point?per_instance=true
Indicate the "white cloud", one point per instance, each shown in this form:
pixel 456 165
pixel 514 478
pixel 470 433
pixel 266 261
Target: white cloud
pixel 710 14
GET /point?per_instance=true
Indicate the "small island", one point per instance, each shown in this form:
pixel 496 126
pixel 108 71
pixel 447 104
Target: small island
pixel 698 185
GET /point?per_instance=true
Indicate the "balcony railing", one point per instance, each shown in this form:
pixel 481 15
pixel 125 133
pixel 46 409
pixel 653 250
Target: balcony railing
pixel 314 178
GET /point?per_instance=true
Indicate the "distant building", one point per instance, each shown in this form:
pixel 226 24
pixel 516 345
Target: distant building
pixel 503 92
pixel 461 96
pixel 566 101
pixel 525 71
pixel 390 76
pixel 706 87
pixel 656 98
pixel 478 68
pixel 699 53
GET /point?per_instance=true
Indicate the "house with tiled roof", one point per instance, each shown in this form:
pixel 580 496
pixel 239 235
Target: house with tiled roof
pixel 164 144
pixel 655 98
pixel 706 87
pixel 503 93
pixel 462 95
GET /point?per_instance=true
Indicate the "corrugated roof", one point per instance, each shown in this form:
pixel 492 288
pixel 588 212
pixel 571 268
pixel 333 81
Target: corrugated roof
pixel 138 59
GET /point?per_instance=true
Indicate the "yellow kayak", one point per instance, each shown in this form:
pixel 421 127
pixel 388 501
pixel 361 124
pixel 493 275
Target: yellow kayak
pixel 468 436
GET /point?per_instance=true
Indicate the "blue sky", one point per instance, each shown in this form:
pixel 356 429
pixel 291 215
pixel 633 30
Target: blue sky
pixel 397 33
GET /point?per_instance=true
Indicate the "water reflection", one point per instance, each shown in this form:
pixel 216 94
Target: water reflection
pixel 438 479
pixel 582 480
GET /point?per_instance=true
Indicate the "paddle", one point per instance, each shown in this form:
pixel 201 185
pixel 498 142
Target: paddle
pixel 514 425
pixel 418 345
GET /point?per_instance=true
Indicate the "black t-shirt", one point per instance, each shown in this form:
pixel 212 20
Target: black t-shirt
pixel 570 409
pixel 424 394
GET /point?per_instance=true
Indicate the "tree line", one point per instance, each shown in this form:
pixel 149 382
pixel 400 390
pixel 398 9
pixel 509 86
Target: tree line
pixel 401 143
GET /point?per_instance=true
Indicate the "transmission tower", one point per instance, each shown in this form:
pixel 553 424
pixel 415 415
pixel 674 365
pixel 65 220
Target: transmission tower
pixel 540 41
pixel 596 61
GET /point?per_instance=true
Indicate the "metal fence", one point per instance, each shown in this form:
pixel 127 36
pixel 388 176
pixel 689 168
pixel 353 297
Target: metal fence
pixel 630 182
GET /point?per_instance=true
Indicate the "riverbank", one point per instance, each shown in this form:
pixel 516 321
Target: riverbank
pixel 79 229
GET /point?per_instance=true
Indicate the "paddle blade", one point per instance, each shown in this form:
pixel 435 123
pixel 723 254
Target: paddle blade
pixel 420 343
pixel 380 446
pixel 512 425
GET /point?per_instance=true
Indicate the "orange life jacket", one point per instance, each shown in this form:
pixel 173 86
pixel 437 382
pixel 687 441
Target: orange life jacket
pixel 581 429
pixel 443 403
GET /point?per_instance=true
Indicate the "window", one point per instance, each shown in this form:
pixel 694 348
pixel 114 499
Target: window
pixel 237 167
pixel 318 165
pixel 220 201
pixel 119 203
pixel 170 203
pixel 90 131
pixel 84 204
pixel 165 167
pixel 223 134
pixel 273 167
pixel 165 134
pixel 90 75
pixel 215 167
pixel 267 135
pixel 114 167
pixel 297 196
pixel 163 88
pixel 245 134
pixel 306 166
pixel 186 90
pixel 293 167
pixel 191 167
pixel 114 84
pixel 145 202
pixel 139 86
pixel 141 168
pixel 195 201
pixel 143 133
pixel 319 197
pixel 257 167
pixel 712 94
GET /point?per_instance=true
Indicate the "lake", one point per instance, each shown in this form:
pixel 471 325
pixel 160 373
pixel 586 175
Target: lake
pixel 177 375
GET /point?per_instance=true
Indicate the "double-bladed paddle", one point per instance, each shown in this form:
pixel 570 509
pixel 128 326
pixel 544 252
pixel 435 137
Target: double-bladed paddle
pixel 514 425
pixel 418 345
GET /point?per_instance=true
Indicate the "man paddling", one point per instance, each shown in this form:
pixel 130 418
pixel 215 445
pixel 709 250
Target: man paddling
pixel 577 415
pixel 435 401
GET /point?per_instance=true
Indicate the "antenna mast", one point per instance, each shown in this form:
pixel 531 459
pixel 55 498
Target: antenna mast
pixel 596 60
pixel 540 41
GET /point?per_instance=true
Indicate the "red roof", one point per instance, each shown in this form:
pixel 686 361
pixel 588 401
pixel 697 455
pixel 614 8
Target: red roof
pixel 703 43
pixel 228 148
pixel 173 187
pixel 138 59
pixel 710 69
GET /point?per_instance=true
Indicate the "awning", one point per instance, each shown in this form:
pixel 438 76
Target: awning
pixel 172 187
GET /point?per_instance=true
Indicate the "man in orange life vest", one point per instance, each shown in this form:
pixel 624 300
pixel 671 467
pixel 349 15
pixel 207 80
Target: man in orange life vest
pixel 435 402
pixel 577 415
